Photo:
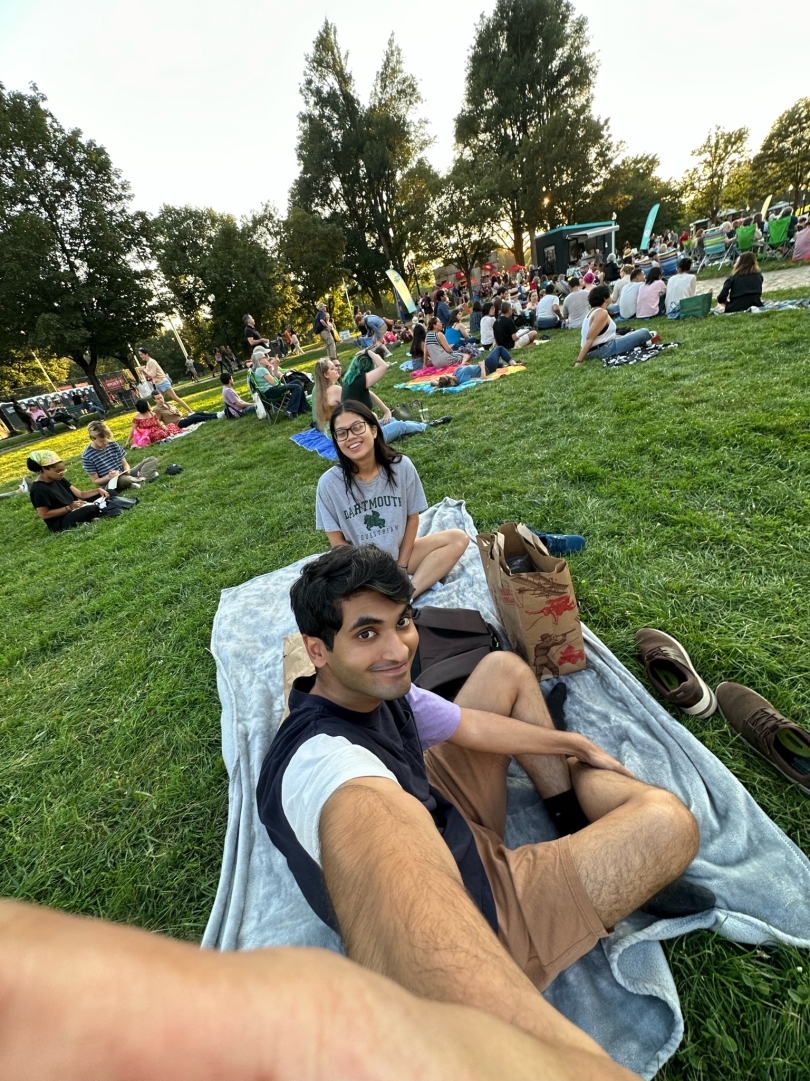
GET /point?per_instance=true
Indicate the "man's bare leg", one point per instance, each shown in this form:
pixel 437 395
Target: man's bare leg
pixel 640 838
pixel 84 1000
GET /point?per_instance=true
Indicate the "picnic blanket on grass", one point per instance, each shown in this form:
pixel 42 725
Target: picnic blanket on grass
pixel 622 992
pixel 420 382
pixel 179 435
pixel 314 439
pixel 637 355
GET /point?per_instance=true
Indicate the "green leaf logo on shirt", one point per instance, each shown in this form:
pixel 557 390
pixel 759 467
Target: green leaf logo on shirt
pixel 374 521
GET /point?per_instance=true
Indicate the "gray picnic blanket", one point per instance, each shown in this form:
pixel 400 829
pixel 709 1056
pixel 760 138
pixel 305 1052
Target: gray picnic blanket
pixel 622 992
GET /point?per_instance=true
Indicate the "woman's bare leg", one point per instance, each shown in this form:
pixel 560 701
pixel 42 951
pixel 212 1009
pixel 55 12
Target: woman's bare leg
pixel 434 556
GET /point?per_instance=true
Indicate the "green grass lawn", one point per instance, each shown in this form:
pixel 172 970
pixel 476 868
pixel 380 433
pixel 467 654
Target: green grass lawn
pixel 690 477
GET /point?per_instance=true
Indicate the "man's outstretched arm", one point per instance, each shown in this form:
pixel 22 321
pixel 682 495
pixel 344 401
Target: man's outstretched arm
pixel 85 1000
pixel 404 912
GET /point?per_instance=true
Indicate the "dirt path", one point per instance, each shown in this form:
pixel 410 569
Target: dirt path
pixel 792 277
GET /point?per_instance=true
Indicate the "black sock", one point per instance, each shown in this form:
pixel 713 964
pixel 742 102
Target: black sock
pixel 565 812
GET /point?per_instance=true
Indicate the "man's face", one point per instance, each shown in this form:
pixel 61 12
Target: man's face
pixel 250 321
pixel 372 653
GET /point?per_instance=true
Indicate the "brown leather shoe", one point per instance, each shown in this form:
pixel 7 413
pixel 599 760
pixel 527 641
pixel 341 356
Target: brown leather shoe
pixel 672 673
pixel 779 741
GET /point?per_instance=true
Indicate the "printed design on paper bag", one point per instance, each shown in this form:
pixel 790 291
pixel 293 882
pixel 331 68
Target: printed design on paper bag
pixel 557 607
pixel 506 596
pixel 373 521
pixel 572 655
pixel 538 585
pixel 542 653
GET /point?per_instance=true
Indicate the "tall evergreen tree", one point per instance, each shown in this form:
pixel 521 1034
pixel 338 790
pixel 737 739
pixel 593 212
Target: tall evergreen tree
pixel 71 276
pixel 361 165
pixel 527 102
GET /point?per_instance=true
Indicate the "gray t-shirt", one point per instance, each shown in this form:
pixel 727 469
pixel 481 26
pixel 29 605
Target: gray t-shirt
pixel 576 307
pixel 375 512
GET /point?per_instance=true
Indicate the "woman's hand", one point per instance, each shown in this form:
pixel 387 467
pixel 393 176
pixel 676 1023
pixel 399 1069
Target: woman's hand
pixel 386 417
pixel 77 503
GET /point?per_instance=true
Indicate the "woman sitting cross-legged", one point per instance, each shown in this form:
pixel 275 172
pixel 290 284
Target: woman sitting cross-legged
pixel 548 315
pixel 374 496
pixel 146 428
pixel 599 338
pixel 365 370
pixel 54 498
pixel 104 460
pixel 743 290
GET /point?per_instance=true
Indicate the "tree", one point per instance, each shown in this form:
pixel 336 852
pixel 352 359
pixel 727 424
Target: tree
pixel 719 156
pixel 527 105
pixel 782 165
pixel 361 165
pixel 463 217
pixel 630 189
pixel 313 249
pixel 71 276
pixel 215 270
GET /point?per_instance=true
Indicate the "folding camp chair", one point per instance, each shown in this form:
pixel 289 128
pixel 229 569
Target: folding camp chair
pixel 745 238
pixel 777 238
pixel 274 405
pixel 714 248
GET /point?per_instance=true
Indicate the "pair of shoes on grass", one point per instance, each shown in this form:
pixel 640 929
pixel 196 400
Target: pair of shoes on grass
pixel 780 741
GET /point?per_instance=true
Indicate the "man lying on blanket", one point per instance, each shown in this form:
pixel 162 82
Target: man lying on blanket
pixel 389 805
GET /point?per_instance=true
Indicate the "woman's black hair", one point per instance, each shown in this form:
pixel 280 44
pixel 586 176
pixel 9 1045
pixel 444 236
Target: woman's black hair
pixel 598 295
pixel 488 307
pixel 324 583
pixel 33 465
pixel 476 306
pixel 142 405
pixel 419 335
pixel 654 275
pixel 385 457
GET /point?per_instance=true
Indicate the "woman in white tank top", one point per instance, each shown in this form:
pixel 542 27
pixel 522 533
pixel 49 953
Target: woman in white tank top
pixel 599 331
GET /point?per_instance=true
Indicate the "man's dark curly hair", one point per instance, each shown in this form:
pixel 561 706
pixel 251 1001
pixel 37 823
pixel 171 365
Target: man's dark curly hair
pixel 339 574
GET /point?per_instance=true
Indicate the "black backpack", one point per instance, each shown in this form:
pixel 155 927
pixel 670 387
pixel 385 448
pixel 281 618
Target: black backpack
pixel 452 641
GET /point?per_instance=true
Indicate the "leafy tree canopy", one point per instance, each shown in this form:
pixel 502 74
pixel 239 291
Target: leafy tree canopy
pixel 72 283
pixel 782 165
pixel 463 217
pixel 630 189
pixel 718 159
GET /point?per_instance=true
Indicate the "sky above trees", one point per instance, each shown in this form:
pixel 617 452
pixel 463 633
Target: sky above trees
pixel 197 101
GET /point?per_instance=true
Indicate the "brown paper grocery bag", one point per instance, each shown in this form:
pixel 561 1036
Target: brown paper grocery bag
pixel 295 663
pixel 538 609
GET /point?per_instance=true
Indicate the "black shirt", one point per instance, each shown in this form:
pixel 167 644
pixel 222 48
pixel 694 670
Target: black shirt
pixel 321 322
pixel 52 495
pixel 389 732
pixel 357 391
pixel 741 292
pixel 504 328
pixel 252 336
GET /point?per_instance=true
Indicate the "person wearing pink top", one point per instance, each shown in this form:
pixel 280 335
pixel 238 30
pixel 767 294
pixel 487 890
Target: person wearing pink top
pixel 801 248
pixel 650 295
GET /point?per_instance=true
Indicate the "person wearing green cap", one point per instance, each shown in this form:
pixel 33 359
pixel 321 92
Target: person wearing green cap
pixel 56 501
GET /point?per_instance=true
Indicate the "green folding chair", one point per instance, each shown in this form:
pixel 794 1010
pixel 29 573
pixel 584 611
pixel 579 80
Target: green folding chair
pixel 745 238
pixel 777 237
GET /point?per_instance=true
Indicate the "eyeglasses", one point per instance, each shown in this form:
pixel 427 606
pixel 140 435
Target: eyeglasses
pixel 342 434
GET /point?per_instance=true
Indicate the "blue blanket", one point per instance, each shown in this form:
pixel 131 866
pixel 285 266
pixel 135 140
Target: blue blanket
pixel 312 439
pixel 622 992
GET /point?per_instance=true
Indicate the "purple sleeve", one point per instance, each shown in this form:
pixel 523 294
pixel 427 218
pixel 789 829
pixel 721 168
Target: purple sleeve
pixel 436 719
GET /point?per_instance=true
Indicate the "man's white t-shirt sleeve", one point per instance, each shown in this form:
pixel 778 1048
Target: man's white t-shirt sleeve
pixel 317 769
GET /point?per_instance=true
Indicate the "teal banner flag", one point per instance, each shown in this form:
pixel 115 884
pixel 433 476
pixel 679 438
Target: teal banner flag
pixel 648 227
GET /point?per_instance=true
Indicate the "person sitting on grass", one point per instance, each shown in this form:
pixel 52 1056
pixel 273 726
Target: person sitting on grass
pixel 364 372
pixel 327 392
pixel 418 351
pixel 650 299
pixel 105 460
pixel 167 413
pixel 575 306
pixel 548 314
pixel 235 407
pixel 146 428
pixel 507 334
pixel 54 498
pixel 374 495
pixel 629 294
pixel 267 376
pixel 743 289
pixel 438 351
pixel 680 285
pixel 599 338
pixel 389 805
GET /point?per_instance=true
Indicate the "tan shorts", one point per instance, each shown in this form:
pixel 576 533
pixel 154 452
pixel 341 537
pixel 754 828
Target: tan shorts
pixel 545 918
